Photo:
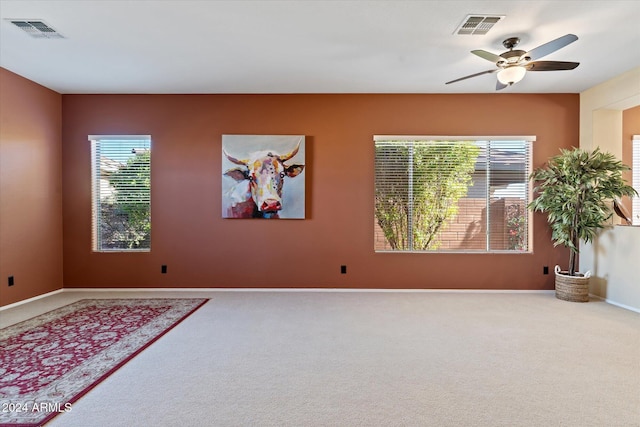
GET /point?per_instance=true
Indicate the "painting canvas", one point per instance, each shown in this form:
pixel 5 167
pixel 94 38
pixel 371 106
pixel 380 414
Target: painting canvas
pixel 263 176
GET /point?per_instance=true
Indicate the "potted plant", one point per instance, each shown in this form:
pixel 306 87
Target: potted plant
pixel 575 189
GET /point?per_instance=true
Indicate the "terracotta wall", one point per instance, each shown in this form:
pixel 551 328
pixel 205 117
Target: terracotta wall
pixel 203 250
pixel 30 189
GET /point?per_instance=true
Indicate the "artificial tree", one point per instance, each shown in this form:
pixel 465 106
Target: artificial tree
pixel 575 189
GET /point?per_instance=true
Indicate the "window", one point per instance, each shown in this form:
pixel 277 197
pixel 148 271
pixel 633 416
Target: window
pixel 452 194
pixel 635 220
pixel 121 193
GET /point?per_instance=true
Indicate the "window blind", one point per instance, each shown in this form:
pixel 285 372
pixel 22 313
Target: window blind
pixel 466 194
pixel 121 192
pixel 636 179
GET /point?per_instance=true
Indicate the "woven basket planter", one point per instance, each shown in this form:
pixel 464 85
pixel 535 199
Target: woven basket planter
pixel 572 288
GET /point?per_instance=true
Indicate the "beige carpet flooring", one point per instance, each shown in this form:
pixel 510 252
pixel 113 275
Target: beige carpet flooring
pixel 372 359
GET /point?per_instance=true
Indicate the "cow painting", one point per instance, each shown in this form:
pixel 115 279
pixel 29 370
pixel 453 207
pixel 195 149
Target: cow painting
pixel 255 169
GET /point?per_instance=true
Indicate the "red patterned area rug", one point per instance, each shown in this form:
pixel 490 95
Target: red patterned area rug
pixel 50 361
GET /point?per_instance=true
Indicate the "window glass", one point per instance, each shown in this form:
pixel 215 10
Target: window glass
pixel 462 195
pixel 121 193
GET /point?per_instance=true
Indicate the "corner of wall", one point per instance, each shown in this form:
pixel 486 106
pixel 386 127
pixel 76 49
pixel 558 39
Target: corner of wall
pixel 601 126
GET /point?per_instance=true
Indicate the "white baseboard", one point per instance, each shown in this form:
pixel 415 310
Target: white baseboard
pixel 626 307
pixel 617 304
pixel 472 291
pixel 16 304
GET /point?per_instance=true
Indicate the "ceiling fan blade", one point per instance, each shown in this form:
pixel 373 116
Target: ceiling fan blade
pixel 500 85
pixel 551 65
pixel 549 47
pixel 472 75
pixel 488 55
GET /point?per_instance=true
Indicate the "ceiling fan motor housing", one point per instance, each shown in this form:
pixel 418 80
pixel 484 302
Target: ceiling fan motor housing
pixel 511 57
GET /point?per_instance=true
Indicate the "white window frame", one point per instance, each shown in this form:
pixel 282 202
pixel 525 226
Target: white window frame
pixel 100 188
pixel 529 187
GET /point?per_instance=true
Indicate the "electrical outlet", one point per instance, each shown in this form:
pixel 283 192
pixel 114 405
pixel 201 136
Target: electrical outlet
pixel 545 269
pixel 343 269
pixel 163 269
pixel 10 281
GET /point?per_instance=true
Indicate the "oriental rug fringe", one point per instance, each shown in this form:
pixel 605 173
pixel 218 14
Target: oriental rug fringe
pixel 50 361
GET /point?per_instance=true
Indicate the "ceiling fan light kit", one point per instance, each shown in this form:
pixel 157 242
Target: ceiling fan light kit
pixel 512 65
pixel 511 75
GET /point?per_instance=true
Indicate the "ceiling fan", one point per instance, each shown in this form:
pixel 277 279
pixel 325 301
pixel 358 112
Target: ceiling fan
pixel 512 65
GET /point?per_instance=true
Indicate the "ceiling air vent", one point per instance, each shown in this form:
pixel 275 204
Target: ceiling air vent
pixel 478 25
pixel 37 29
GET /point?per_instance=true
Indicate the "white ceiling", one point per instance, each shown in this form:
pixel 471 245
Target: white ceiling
pixel 269 46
